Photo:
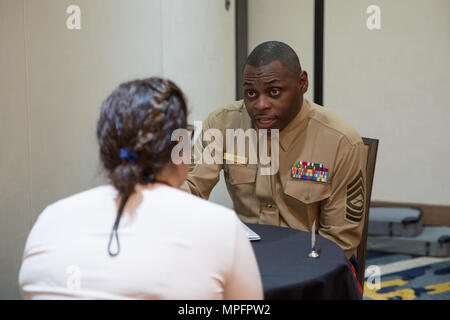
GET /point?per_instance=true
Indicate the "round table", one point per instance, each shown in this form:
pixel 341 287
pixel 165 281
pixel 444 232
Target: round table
pixel 288 273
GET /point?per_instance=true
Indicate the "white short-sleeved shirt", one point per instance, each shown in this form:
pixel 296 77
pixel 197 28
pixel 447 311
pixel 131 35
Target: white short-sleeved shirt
pixel 173 245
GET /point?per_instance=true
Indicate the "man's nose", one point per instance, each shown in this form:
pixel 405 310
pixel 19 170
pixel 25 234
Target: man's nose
pixel 263 103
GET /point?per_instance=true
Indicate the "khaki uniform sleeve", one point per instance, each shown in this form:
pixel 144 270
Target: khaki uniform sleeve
pixel 202 177
pixel 342 214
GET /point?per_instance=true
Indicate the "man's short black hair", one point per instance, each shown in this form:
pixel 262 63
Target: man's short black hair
pixel 270 51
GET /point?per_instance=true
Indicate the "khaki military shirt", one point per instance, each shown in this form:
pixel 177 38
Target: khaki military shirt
pixel 316 135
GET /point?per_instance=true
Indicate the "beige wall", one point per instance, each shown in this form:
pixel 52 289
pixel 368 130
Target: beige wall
pixel 15 197
pixel 393 84
pixel 198 36
pixel 53 80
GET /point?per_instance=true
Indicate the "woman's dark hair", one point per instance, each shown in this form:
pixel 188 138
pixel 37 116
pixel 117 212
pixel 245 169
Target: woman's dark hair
pixel 134 132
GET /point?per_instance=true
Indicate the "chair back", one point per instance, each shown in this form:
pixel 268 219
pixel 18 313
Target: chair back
pixel 372 145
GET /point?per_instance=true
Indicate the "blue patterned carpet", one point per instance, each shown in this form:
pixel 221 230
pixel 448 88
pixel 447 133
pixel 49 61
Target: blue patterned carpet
pixel 429 282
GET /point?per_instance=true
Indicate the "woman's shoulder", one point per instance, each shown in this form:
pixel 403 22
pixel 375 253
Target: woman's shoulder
pixel 200 203
pixel 207 220
pixel 67 214
pixel 189 206
pixel 78 202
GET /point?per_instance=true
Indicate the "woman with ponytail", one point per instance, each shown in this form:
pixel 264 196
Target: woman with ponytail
pixel 139 237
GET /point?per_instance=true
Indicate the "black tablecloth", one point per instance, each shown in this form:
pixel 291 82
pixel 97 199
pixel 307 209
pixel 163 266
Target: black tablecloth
pixel 288 273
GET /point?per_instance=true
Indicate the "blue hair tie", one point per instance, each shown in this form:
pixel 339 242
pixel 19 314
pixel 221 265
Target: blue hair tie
pixel 127 154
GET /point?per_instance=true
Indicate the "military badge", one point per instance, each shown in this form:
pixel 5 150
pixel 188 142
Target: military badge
pixel 309 171
pixel 355 198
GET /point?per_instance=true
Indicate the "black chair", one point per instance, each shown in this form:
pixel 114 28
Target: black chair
pixel 372 145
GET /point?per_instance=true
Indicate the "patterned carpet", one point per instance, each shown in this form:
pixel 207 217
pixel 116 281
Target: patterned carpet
pixel 406 277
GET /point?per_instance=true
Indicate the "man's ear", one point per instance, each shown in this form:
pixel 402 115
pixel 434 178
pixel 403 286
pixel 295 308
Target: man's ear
pixel 304 83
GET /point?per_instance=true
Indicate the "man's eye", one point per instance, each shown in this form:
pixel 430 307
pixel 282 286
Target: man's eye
pixel 275 92
pixel 251 94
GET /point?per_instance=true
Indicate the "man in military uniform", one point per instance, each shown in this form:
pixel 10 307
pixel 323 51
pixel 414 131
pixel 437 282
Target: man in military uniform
pixel 322 159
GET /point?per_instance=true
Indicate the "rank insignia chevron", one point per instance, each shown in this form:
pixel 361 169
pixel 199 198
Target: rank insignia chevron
pixel 355 198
